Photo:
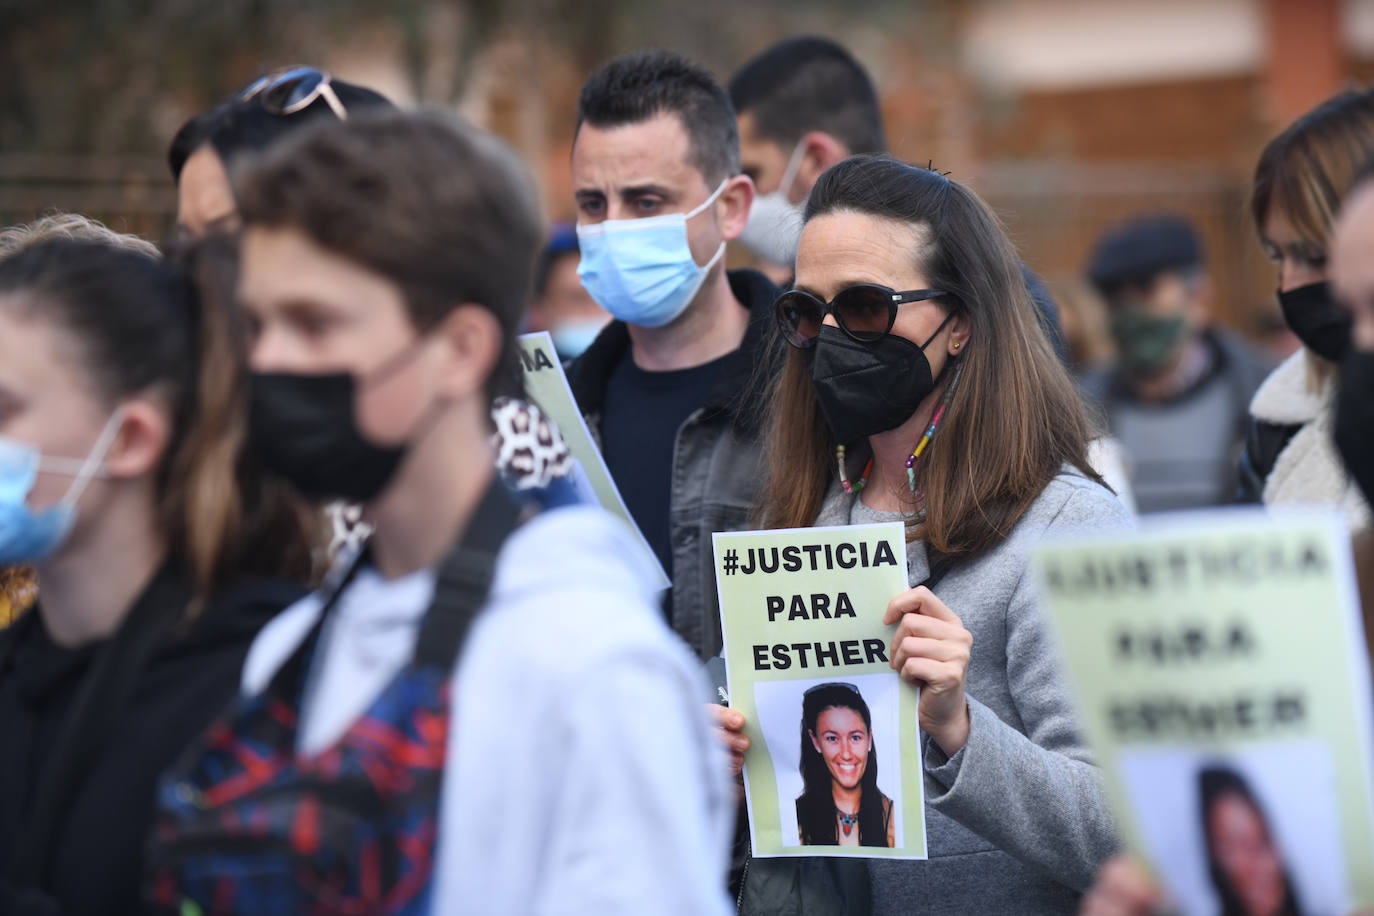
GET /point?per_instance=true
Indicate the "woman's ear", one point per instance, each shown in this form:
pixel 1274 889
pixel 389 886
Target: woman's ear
pixel 141 442
pixel 960 329
pixel 814 743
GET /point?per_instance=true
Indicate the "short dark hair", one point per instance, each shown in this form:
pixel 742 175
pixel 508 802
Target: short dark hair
pixel 643 85
pixel 245 126
pixel 440 208
pixel 810 83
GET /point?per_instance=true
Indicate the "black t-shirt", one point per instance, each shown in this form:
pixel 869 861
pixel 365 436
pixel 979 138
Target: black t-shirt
pixel 639 424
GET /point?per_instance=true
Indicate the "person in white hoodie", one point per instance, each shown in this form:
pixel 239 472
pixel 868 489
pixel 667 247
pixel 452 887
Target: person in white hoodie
pixel 1301 177
pixel 501 726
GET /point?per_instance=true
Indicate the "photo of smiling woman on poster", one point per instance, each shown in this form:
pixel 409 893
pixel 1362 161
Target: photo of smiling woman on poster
pixel 840 804
pixel 1243 858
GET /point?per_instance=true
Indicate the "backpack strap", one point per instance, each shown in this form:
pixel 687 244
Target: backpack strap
pixel 464 579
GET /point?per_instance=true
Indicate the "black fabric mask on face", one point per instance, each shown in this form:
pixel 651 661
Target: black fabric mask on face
pixel 868 388
pixel 1354 430
pixel 302 427
pixel 1319 321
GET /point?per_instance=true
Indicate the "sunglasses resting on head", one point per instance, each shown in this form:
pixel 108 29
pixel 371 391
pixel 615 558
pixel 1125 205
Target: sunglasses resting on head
pixel 295 89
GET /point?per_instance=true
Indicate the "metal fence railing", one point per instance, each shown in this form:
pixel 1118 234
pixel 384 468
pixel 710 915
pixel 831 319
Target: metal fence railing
pixel 127 193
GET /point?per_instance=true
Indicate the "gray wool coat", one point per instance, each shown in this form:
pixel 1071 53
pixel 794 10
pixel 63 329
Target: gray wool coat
pixel 1016 822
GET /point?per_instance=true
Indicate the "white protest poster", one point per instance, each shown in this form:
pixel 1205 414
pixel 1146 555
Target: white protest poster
pixel 1220 664
pixel 547 386
pixel 834 768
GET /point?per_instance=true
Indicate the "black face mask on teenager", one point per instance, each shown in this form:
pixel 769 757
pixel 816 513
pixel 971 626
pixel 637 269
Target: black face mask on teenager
pixel 868 388
pixel 1319 321
pixel 304 428
pixel 1354 431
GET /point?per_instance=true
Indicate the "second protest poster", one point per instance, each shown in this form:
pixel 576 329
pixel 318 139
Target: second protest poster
pixel 1221 673
pixel 834 767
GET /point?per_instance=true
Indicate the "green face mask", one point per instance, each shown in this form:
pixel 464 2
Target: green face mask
pixel 1147 343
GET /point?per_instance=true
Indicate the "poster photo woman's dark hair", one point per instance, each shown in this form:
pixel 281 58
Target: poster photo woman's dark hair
pixel 840 804
pixel 1243 858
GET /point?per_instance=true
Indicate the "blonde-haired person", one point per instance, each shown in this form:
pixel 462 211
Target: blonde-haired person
pixel 18 589
pixel 1301 177
pixel 18 586
pixel 70 226
pixel 909 314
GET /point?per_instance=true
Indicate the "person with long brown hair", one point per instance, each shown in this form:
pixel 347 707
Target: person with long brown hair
pixel 921 387
pixel 1300 179
pixel 160 549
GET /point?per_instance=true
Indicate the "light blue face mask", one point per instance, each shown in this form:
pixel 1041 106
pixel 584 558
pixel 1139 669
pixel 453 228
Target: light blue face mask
pixel 29 535
pixel 571 338
pixel 642 270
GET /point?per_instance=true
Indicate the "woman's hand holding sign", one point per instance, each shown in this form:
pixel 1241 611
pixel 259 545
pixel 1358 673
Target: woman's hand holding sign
pixel 730 732
pixel 931 650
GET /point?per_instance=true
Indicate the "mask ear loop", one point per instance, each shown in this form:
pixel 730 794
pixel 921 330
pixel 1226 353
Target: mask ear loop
pixel 720 189
pixel 789 174
pixel 948 318
pixel 720 252
pixel 90 468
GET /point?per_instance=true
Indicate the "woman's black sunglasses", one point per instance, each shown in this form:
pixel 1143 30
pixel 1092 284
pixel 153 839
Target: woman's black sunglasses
pixel 864 311
pixel 289 91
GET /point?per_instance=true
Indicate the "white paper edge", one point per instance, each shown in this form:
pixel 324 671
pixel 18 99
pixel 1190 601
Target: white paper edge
pixel 663 580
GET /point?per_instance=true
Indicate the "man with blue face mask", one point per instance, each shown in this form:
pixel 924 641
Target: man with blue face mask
pixel 669 386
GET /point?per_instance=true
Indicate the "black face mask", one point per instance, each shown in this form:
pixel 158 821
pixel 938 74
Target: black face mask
pixel 868 388
pixel 303 428
pixel 1319 321
pixel 1354 431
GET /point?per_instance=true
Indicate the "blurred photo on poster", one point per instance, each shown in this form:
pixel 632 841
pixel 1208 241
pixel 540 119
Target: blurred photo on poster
pixel 1220 669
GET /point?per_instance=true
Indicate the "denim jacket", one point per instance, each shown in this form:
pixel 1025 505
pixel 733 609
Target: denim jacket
pixel 717 460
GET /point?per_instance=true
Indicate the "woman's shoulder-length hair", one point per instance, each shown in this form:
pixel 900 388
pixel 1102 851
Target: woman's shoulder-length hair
pixel 1307 169
pixel 1016 419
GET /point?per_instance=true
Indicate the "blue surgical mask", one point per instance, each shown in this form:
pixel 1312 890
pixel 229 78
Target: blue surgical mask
pixel 31 535
pixel 642 270
pixel 571 338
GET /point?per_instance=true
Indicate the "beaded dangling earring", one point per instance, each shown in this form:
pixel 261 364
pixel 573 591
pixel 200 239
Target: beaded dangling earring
pixel 858 485
pixel 934 424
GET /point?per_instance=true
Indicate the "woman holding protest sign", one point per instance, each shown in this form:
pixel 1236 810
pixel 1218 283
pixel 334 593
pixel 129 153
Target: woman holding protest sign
pixel 910 319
